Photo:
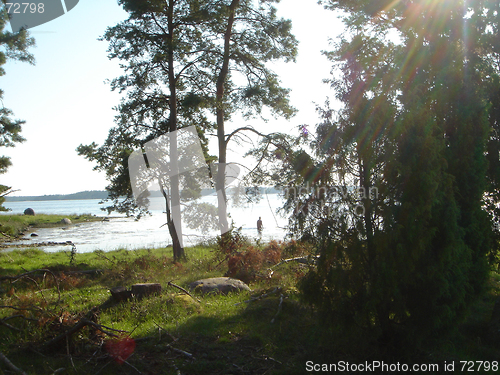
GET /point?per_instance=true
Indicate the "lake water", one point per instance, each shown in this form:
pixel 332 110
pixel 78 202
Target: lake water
pixel 121 232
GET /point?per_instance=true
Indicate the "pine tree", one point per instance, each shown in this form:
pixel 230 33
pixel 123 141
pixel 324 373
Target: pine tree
pixel 414 126
pixel 184 61
pixel 14 47
pixel 161 44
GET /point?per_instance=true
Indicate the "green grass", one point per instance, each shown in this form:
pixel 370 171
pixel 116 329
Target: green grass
pixel 16 225
pixel 224 334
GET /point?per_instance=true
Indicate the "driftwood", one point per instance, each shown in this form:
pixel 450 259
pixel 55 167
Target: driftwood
pixel 10 365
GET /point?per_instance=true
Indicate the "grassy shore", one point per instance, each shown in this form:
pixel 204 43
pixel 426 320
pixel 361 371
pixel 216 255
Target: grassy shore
pixel 174 333
pixel 13 226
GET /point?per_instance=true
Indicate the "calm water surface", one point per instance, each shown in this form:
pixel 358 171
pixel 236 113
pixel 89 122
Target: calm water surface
pixel 121 232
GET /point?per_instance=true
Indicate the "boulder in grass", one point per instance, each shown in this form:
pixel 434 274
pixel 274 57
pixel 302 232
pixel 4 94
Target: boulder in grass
pixel 66 221
pixel 219 285
pixel 29 211
pixel 143 290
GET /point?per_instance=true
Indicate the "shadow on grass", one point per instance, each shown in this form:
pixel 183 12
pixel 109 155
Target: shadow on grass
pixel 247 342
pixel 220 335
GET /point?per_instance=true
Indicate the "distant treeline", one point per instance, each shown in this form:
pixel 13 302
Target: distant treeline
pixel 102 194
pixel 94 194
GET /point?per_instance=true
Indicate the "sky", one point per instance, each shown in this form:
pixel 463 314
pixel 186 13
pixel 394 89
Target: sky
pixel 65 100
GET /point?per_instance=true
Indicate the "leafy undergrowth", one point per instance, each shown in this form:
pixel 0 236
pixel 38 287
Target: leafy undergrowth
pixel 265 331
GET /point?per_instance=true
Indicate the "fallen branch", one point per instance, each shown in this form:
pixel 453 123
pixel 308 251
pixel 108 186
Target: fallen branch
pixel 5 324
pixel 10 365
pixel 279 309
pixel 32 308
pixel 86 272
pixel 56 340
pixel 135 368
pixel 83 322
pixel 277 289
pixel 27 274
pixel 15 278
pixel 304 259
pixel 100 328
pixel 160 328
pixel 189 355
pixel 183 290
pixel 78 326
pixel 19 316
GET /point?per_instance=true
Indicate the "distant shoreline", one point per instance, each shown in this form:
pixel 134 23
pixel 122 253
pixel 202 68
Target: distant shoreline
pixel 100 194
pixel 93 194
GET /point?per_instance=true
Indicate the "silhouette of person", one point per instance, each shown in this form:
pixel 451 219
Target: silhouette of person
pixel 259 225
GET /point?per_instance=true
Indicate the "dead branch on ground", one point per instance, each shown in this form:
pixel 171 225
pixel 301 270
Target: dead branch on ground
pixel 10 365
pixel 83 322
pixel 279 309
pixel 42 271
pixel 277 289
pixel 5 324
pixel 183 290
pixel 189 355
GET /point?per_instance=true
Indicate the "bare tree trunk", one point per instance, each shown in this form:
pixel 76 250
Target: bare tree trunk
pixel 170 224
pixel 176 230
pixel 221 80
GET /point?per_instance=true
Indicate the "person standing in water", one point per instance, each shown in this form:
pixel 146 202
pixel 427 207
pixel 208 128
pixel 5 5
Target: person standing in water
pixel 259 225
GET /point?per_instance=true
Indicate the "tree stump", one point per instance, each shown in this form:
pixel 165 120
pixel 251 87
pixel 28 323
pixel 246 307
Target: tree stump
pixel 120 293
pixel 142 290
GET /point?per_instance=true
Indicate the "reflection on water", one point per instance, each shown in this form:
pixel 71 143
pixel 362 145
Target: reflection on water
pixel 126 233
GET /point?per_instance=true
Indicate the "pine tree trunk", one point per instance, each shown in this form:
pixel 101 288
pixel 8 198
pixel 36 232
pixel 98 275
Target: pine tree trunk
pixel 175 231
pixel 221 80
pixel 178 251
